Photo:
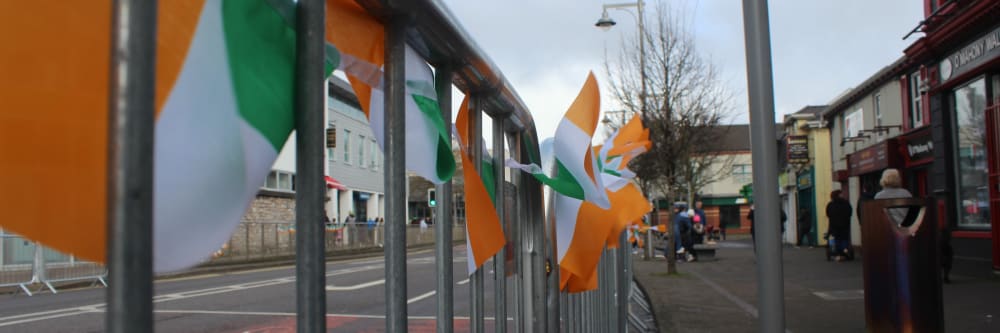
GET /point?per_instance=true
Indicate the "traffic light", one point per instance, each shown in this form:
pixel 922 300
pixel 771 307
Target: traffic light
pixel 431 199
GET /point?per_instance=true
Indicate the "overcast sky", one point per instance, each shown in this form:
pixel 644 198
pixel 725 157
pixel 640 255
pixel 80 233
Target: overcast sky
pixel 820 48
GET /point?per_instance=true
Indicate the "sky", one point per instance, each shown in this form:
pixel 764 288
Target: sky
pixel 820 49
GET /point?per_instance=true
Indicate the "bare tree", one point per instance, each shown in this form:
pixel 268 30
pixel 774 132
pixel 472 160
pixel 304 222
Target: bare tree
pixel 685 102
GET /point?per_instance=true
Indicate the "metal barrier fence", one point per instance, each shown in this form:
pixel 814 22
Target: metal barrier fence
pixel 17 262
pixel 255 241
pixel 24 263
pixel 439 39
pixel 614 305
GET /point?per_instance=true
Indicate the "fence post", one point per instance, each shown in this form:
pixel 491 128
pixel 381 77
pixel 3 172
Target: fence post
pixel 443 235
pixel 623 280
pixel 500 260
pixel 476 284
pixel 130 167
pixel 395 174
pixel 310 97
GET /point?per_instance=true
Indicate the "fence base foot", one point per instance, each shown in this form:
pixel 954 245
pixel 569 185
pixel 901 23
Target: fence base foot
pixel 25 289
pixel 51 288
pixel 105 283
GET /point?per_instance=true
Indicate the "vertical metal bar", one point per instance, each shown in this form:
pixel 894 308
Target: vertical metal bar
pixel 500 260
pixel 477 312
pixel 395 175
pixel 443 242
pixel 765 173
pixel 623 278
pixel 132 79
pixel 310 95
pixel 518 224
pixel 550 282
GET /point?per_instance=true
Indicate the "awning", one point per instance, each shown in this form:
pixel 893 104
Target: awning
pixel 333 183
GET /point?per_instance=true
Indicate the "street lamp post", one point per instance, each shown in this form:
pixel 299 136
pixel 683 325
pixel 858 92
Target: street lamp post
pixel 605 23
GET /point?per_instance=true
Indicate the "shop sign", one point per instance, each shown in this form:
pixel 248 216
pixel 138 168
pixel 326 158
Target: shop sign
pixel 973 54
pixel 797 149
pixel 918 148
pixel 805 180
pixel 874 158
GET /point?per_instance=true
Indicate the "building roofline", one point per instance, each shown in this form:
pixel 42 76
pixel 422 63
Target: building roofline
pixel 884 75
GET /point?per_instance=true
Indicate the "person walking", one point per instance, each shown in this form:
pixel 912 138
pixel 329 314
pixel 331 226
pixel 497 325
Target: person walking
pixel 839 212
pixel 804 224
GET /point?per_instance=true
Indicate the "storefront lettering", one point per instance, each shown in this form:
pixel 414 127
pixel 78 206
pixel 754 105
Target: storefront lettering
pixel 920 148
pixel 980 50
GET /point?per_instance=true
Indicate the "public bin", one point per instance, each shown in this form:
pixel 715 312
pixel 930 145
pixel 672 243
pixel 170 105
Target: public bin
pixel 901 253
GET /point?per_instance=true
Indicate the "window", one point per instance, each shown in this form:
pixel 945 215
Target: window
pixel 347 146
pixel 970 135
pixel 742 173
pixel 280 181
pixel 362 145
pixel 916 107
pixel 877 104
pixel 330 154
pixel 374 155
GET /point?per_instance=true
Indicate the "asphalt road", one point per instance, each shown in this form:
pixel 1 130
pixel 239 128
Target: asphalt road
pixel 258 301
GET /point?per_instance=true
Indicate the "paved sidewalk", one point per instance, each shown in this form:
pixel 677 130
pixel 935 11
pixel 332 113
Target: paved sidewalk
pixel 820 296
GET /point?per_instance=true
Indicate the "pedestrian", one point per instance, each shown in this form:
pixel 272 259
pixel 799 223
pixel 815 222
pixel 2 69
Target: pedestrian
pixel 683 242
pixel 892 188
pixel 839 212
pixel 866 194
pixel 804 227
pixel 700 222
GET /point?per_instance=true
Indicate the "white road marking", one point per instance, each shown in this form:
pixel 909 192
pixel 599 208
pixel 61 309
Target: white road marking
pixel 98 307
pixel 292 314
pixel 66 312
pixel 463 282
pixel 355 287
pixel 421 297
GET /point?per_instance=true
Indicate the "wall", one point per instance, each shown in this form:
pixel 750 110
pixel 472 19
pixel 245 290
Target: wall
pixel 265 208
pixel 728 185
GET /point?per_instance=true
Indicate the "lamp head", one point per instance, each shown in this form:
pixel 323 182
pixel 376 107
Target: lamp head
pixel 605 23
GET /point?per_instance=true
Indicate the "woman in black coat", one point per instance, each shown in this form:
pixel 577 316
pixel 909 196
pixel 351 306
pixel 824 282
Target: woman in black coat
pixel 839 212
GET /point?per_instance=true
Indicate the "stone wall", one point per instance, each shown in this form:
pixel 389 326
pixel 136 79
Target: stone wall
pixel 267 207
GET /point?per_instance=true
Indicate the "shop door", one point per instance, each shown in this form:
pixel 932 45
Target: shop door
pixel 993 156
pixel 807 201
pixel 729 216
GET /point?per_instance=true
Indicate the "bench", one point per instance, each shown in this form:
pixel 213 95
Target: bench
pixel 705 252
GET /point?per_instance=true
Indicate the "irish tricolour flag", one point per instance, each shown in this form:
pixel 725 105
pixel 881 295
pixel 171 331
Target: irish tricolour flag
pixel 483 232
pixel 224 74
pixel 358 39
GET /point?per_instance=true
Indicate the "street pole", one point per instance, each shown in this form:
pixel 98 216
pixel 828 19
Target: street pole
pixel 765 171
pixel 132 78
pixel 443 242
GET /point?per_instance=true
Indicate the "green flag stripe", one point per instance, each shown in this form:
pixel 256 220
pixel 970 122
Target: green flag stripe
pixel 564 183
pixel 445 161
pixel 261 53
pixel 488 174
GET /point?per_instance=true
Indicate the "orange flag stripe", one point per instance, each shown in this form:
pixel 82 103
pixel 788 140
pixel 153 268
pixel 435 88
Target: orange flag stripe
pixel 54 118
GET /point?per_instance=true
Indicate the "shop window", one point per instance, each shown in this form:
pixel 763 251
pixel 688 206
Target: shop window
pixel 916 105
pixel 877 105
pixel 970 159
